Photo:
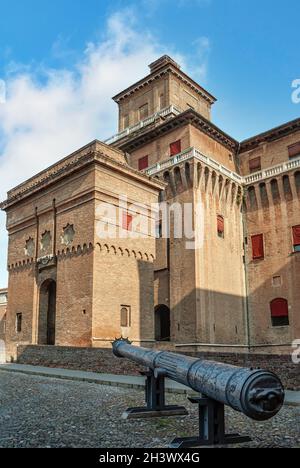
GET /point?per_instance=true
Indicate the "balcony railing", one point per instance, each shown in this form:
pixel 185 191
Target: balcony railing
pixel 272 171
pixel 193 153
pixel 171 110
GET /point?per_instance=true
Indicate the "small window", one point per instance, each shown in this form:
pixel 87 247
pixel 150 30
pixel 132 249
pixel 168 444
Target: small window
pixel 296 238
pixel 221 226
pixel 175 148
pixel 279 312
pixel 127 221
pixel 144 111
pixel 143 163
pixel 125 316
pixel 294 150
pixel 19 323
pixel 126 121
pixel 255 165
pixel 258 247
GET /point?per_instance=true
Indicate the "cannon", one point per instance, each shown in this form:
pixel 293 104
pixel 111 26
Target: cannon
pixel 257 393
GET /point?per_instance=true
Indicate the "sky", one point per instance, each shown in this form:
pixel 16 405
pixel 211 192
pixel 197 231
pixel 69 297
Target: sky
pixel 62 61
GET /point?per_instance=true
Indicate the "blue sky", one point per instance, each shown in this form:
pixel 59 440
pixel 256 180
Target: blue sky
pixel 63 60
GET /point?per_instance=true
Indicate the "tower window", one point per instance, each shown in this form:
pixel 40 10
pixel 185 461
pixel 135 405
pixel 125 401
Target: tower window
pixel 258 252
pixel 175 148
pixel 294 150
pixel 221 226
pixel 296 238
pixel 19 323
pixel 255 165
pixel 143 163
pixel 279 312
pixel 127 221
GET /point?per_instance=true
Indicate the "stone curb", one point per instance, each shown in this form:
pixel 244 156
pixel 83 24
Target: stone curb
pixel 91 380
pixel 39 373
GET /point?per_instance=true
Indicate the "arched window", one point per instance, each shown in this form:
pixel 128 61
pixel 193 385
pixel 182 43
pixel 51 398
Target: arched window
pixel 252 198
pixel 275 190
pixel 162 323
pixel 221 226
pixel 279 312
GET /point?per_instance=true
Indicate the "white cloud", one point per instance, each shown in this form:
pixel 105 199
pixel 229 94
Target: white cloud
pixel 48 113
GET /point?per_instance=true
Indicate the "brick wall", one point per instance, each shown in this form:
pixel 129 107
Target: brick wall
pixel 103 361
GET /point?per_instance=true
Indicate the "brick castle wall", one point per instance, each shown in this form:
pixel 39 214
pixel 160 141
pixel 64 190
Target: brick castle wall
pixel 103 361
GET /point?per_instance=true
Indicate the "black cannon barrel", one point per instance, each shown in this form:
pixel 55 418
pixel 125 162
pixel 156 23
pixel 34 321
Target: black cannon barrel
pixel 258 394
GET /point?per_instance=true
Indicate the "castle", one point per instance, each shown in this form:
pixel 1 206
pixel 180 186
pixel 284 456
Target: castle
pixel 236 291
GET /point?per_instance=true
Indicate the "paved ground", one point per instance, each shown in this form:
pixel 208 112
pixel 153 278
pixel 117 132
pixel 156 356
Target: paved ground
pixel 41 412
pixel 291 398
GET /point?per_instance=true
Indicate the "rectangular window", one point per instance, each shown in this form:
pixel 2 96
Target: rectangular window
pixel 296 238
pixel 175 148
pixel 143 163
pixel 294 150
pixel 125 316
pixel 280 312
pixel 221 226
pixel 144 111
pixel 127 221
pixel 258 252
pixel 255 165
pixel 18 323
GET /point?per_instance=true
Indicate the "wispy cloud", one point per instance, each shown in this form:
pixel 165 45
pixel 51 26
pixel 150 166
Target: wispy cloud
pixel 51 112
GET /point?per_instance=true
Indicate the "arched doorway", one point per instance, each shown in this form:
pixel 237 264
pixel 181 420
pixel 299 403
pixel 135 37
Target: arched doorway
pixel 162 323
pixel 47 313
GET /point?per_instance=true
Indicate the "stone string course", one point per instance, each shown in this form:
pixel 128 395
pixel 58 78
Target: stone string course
pixel 103 361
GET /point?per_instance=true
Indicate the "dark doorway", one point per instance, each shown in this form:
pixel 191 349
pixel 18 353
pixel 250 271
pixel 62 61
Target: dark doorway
pixel 47 313
pixel 162 323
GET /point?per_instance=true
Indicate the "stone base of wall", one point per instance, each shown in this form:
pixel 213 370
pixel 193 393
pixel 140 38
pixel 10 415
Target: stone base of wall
pixel 86 359
pixel 103 361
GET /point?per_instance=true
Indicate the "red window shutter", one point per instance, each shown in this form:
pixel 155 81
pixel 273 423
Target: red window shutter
pixel 255 165
pixel 294 150
pixel 296 235
pixel 279 308
pixel 127 221
pixel 258 247
pixel 143 163
pixel 220 223
pixel 175 148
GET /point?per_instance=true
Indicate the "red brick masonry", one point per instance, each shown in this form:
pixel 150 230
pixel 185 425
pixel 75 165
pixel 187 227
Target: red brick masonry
pixel 103 361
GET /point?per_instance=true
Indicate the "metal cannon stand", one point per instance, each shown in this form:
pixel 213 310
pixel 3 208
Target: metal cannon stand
pixel 155 399
pixel 211 427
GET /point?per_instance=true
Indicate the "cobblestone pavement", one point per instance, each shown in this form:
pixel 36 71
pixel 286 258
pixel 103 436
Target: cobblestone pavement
pixel 43 412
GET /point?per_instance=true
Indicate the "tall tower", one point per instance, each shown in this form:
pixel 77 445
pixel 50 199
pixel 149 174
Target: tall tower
pixel 166 129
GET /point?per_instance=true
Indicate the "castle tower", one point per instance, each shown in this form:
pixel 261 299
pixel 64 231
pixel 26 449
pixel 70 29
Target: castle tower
pixel 165 128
